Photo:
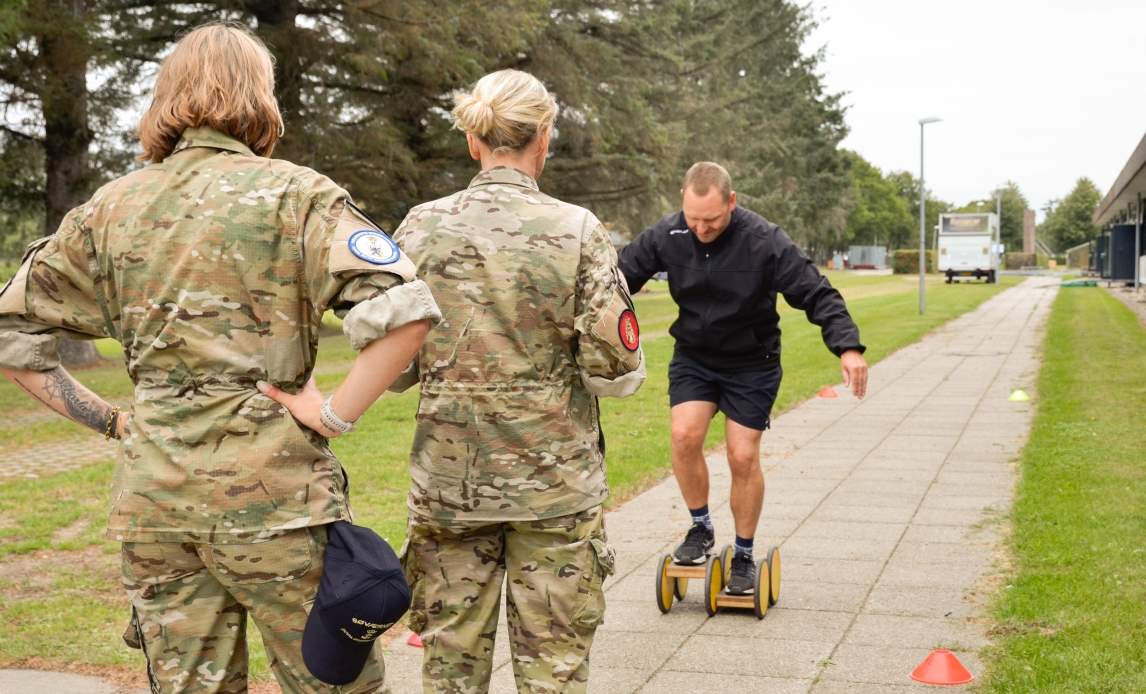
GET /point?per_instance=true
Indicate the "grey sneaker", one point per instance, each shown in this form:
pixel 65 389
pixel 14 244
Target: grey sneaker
pixel 696 546
pixel 743 578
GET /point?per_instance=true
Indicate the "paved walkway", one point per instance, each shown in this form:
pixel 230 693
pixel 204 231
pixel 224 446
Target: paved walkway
pixel 42 460
pixel 885 511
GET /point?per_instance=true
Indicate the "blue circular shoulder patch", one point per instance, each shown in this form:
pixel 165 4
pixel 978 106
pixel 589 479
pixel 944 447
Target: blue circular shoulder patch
pixel 374 247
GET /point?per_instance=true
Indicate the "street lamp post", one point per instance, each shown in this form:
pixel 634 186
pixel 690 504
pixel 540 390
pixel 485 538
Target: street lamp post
pixel 998 233
pixel 922 215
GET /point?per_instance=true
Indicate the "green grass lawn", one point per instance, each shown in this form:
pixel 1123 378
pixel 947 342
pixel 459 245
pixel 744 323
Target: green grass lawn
pixel 1073 615
pixel 60 517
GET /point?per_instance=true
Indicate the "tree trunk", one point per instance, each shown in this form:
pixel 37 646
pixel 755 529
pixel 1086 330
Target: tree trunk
pixel 278 28
pixel 64 54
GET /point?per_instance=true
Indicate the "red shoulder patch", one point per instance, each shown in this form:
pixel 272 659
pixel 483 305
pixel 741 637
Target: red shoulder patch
pixel 629 331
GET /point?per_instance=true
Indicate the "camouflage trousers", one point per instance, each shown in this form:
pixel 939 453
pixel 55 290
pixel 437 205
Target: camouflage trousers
pixel 554 599
pixel 190 604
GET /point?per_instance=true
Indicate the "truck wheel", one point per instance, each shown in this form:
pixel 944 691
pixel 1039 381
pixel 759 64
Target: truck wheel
pixel 950 277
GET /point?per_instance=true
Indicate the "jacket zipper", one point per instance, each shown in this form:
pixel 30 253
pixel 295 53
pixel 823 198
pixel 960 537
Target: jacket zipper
pixel 707 289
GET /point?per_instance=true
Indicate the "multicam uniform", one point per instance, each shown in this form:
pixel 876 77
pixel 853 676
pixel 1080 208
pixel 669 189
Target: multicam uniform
pixel 213 269
pixel 508 458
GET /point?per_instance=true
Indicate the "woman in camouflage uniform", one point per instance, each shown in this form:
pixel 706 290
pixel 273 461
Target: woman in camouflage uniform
pixel 507 467
pixel 213 267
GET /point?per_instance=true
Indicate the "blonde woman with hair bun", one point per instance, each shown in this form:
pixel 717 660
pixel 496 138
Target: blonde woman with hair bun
pixel 508 460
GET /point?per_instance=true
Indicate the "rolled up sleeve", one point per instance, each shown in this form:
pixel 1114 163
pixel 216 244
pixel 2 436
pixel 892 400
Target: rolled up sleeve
pixel 376 317
pixel 609 354
pixel 52 296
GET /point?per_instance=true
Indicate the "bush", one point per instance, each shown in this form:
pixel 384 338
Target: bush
pixel 1017 261
pixel 906 261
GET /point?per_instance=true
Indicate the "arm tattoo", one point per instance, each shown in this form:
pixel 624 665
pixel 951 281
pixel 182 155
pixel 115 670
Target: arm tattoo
pixel 59 385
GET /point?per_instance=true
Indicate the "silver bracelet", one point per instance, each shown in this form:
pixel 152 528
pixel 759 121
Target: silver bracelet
pixel 332 421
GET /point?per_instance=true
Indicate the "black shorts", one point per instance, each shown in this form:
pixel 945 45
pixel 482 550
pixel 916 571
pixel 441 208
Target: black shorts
pixel 745 397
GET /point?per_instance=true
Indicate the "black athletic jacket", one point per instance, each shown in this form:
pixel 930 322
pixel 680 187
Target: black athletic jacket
pixel 726 290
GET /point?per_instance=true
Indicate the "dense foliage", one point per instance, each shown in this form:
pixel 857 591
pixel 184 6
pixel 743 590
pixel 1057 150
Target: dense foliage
pixel 1069 222
pixel 645 88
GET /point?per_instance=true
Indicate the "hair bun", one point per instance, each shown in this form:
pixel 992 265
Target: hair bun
pixel 474 115
pixel 506 109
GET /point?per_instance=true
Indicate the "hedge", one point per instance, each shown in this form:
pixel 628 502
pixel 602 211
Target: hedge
pixel 906 261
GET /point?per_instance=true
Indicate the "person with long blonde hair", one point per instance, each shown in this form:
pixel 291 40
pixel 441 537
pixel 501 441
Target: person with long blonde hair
pixel 212 266
pixel 508 460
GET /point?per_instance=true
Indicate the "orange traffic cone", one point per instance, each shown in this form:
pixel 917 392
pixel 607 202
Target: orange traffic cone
pixel 941 667
pixel 415 641
pixel 828 392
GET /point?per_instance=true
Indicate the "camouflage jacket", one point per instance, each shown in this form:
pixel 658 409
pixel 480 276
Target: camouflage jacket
pixel 213 269
pixel 537 322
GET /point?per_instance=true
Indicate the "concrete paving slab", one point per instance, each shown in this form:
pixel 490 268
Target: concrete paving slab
pixel 889 499
pixel 956 502
pixel 55 682
pixel 829 687
pixel 849 531
pixel 675 682
pixel 739 656
pixel 865 472
pixel 944 553
pixel 960 517
pixel 932 601
pixel 781 622
pixel 905 632
pixel 918 444
pixel 618 649
pixel 643 616
pixel 941 488
pixel 876 488
pixel 849 549
pixel 799 569
pixel 915 574
pixel 832 597
pixel 950 476
pixel 901 460
pixel 404 669
pixel 986 535
pixel 864 514
pixel 616 680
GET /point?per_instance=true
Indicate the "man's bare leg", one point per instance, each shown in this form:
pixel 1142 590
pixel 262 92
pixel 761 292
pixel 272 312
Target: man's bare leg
pixel 689 427
pixel 747 499
pixel 747 496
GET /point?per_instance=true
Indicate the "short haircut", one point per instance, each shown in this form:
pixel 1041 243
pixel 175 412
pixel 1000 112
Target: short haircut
pixel 220 76
pixel 505 109
pixel 704 175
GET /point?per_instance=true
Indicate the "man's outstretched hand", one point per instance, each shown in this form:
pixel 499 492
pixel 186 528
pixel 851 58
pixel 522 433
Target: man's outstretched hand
pixel 854 369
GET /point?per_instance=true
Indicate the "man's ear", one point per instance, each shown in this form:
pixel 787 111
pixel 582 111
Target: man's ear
pixel 732 200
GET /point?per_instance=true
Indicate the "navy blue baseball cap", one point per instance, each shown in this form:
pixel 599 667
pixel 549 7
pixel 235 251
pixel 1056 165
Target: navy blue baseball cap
pixel 363 592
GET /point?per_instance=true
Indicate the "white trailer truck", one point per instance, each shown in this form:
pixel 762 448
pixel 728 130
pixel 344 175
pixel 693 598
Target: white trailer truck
pixel 967 245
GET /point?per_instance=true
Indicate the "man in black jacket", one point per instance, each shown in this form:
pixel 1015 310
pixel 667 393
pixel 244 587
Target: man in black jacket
pixel 725 265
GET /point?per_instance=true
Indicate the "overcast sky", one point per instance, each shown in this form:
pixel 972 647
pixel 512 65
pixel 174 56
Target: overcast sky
pixel 1040 93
